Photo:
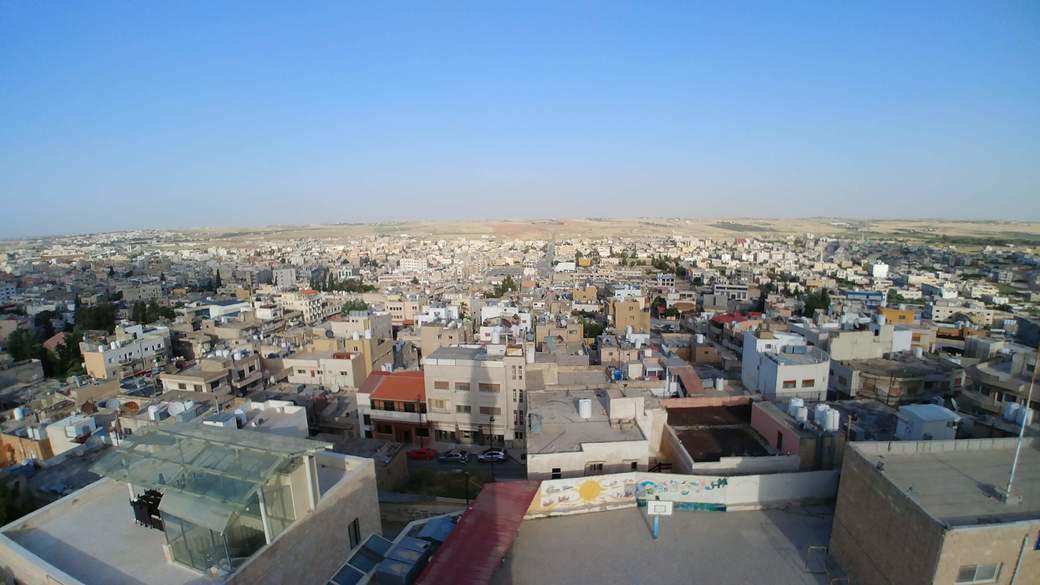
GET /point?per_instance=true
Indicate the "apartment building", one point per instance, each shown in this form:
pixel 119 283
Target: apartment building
pixel 313 306
pixel 333 371
pixel 131 349
pixel 284 278
pixel 632 312
pixel 395 407
pixel 437 334
pixel 731 292
pixel 367 333
pixel 946 310
pixel 475 394
pixel 559 330
pixel 404 311
pixel 781 365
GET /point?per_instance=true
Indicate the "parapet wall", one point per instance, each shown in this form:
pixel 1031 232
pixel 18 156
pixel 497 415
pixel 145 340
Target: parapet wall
pixel 696 492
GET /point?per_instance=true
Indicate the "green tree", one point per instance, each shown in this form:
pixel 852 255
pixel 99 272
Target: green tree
pixel 139 312
pixel 507 285
pixel 14 503
pixel 217 282
pixel 22 345
pixel 151 311
pixel 591 328
pixel 353 305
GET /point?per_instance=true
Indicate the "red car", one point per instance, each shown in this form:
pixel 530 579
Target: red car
pixel 422 453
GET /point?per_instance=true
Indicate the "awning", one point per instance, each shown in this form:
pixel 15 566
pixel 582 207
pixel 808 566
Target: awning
pixel 475 548
pixel 199 511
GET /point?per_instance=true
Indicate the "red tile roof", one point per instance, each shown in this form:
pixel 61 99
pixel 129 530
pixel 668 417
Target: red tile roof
pixel 54 341
pixel 403 386
pixel 475 548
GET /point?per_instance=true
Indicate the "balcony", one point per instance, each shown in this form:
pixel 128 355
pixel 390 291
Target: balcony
pixel 397 416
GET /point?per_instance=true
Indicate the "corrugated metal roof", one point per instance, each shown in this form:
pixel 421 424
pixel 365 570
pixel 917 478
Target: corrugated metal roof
pixel 474 550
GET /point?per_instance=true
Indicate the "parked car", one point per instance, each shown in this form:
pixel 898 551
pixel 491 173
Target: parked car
pixel 454 456
pixel 422 453
pixel 492 455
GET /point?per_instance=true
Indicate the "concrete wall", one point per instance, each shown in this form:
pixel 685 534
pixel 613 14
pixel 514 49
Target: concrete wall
pixel 616 457
pixel 748 465
pixel 314 547
pixel 880 536
pixel 621 490
pixel 981 545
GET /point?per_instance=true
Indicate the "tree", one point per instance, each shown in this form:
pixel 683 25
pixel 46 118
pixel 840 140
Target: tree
pixel 139 312
pixel 151 311
pixel 43 323
pixel 813 301
pixel 415 280
pixel 102 316
pixel 507 285
pixel 22 345
pixel 111 272
pixel 14 503
pixel 591 328
pixel 217 283
pixel 69 355
pixel 353 305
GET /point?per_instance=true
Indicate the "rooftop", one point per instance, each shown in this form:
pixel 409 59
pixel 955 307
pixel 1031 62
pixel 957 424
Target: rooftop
pixel 717 548
pixel 957 481
pixel 92 537
pixel 403 386
pixel 564 430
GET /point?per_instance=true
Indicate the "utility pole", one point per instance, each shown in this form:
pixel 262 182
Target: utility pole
pixel 1022 430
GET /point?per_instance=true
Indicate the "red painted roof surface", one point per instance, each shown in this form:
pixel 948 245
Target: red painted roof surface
pixel 54 341
pixel 735 316
pixel 475 548
pixel 404 386
pixel 372 381
pixel 690 381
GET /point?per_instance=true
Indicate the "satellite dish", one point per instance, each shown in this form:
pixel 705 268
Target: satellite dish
pixel 176 408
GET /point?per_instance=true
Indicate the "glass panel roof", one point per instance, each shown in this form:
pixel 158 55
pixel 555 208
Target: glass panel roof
pixel 219 467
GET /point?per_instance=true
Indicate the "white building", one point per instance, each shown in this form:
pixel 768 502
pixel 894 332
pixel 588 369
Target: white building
pixel 781 365
pixel 926 422
pixel 879 270
pixel 284 277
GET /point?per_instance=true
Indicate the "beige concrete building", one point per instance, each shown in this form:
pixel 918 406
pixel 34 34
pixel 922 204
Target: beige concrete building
pixel 475 394
pixel 334 371
pixel 436 334
pixel 132 348
pixel 633 312
pixel 563 330
pixel 929 513
pixel 592 432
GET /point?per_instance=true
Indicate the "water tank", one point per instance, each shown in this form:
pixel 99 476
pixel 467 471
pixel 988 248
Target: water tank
pixel 114 345
pixel 20 412
pixel 794 405
pixel 801 414
pixel 833 420
pixel 585 408
pixel 720 383
pixel 880 319
pixel 918 352
pixel 1023 416
pixel 699 338
pixel 820 413
pixel 368 334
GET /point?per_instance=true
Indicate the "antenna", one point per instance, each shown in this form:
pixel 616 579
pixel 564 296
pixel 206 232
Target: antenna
pixel 1022 430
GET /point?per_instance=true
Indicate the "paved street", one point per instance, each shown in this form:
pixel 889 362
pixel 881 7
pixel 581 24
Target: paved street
pixel 511 469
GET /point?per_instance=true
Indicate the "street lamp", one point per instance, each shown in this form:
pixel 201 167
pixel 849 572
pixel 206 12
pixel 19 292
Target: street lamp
pixel 466 474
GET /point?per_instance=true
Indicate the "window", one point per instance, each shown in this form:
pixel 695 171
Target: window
pixel 556 473
pixel 182 386
pixel 367 419
pixel 808 383
pixel 422 432
pixel 634 466
pixel 489 387
pixel 385 429
pixel 518 435
pixel 409 407
pixel 355 533
pixel 463 408
pixel 462 385
pixel 440 385
pixel 790 384
pixel 978 573
pixel 594 468
pixel 490 410
pixel 301 371
pixel 438 404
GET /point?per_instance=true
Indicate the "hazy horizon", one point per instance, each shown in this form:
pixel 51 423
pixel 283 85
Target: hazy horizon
pixel 155 116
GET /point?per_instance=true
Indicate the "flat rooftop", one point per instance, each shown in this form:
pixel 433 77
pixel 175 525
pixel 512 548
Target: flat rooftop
pixel 563 430
pixel 92 537
pixel 714 443
pixel 709 416
pixel 957 481
pixel 706 548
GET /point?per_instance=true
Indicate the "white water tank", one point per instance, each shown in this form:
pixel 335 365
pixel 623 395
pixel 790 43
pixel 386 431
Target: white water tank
pixel 801 414
pixel 720 383
pixel 820 413
pixel 585 408
pixel 20 412
pixel 918 352
pixel 1024 416
pixel 700 338
pixel 833 420
pixel 794 405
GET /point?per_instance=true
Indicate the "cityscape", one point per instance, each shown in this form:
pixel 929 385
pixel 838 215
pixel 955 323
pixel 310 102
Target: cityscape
pixel 474 294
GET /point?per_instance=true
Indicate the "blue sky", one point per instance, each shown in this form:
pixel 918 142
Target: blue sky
pixel 179 114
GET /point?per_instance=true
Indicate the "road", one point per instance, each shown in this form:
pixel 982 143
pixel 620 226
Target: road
pixel 511 469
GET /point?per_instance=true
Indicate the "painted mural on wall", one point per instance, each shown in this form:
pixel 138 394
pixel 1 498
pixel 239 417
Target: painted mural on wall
pixel 606 491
